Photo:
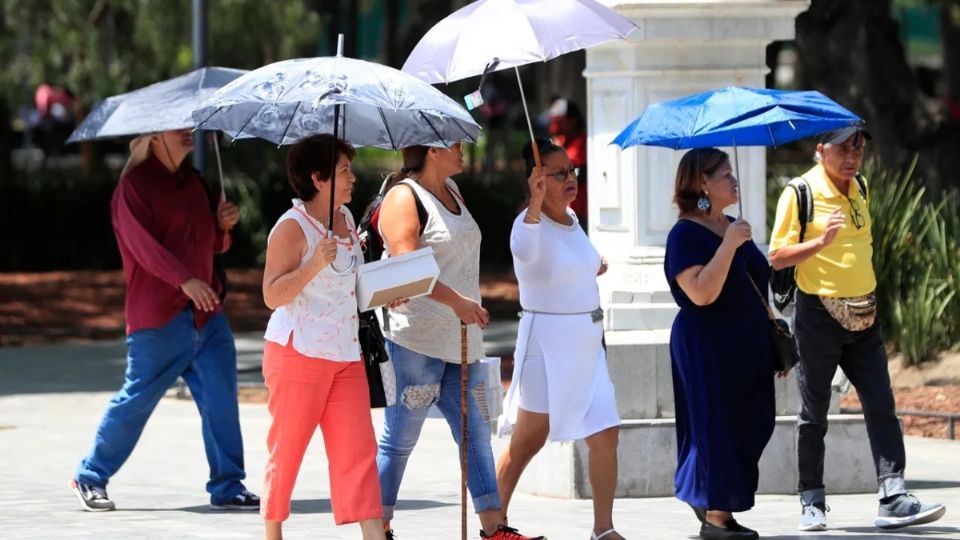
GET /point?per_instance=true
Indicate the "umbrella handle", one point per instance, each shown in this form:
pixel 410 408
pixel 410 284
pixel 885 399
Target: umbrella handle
pixel 348 270
pixel 350 267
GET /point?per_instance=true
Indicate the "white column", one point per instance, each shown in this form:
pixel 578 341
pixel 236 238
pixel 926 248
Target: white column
pixel 682 47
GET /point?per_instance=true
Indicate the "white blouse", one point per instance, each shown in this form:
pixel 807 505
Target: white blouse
pixel 322 319
pixel 556 266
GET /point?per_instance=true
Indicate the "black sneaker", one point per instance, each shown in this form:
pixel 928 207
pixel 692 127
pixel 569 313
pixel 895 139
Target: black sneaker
pixel 92 498
pixel 241 501
pixel 905 510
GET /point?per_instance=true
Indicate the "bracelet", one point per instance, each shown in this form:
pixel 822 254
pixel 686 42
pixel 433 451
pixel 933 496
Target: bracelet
pixel 531 222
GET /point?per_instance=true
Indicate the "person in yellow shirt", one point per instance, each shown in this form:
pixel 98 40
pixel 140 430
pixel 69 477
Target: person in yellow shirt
pixel 835 325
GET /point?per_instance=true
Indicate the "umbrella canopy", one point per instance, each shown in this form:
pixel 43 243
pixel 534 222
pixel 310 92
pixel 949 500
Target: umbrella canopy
pixel 513 32
pixel 736 116
pixel 376 105
pixel 159 107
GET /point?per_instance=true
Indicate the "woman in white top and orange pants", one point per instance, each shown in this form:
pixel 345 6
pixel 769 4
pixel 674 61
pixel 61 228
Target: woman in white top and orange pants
pixel 311 360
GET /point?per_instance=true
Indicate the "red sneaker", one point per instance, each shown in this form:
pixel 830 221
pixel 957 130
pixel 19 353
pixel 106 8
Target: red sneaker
pixel 509 533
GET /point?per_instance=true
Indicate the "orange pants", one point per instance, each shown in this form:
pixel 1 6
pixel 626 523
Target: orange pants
pixel 309 392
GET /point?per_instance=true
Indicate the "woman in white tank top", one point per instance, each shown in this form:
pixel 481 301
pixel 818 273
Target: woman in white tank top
pixel 311 361
pixel 423 335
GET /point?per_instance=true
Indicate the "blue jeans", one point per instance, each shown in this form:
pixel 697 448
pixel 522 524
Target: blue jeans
pixel 207 360
pixel 421 382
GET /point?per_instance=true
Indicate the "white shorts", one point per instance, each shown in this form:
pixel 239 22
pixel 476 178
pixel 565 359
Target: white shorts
pixel 533 381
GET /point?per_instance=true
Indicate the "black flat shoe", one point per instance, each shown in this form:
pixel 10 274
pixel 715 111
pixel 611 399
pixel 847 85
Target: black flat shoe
pixel 733 531
pixel 734 526
pixel 700 512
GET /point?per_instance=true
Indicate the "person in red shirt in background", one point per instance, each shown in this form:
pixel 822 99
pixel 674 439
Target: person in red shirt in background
pixel 568 130
pixel 168 231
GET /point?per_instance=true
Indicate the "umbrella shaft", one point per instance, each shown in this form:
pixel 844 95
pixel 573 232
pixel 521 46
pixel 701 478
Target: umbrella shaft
pixel 736 173
pixel 333 166
pixel 523 99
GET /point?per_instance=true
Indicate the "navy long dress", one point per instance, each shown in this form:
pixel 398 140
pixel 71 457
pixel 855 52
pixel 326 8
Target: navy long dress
pixel 722 374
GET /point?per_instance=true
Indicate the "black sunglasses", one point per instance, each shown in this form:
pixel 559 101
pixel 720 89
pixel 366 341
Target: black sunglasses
pixel 855 215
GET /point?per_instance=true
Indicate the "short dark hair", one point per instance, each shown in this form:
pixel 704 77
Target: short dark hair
pixel 545 147
pixel 694 163
pixel 314 155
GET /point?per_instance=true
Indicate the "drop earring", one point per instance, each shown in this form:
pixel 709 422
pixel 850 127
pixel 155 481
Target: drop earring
pixel 703 203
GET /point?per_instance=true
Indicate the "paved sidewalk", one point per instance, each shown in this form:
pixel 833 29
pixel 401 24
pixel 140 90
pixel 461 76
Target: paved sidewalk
pixel 51 399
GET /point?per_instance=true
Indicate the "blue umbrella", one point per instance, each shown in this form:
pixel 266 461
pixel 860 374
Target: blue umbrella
pixel 735 116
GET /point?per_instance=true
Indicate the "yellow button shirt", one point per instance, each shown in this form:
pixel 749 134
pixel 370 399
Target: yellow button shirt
pixel 845 267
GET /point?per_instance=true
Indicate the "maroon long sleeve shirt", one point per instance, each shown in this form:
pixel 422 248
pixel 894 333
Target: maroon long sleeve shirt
pixel 167 234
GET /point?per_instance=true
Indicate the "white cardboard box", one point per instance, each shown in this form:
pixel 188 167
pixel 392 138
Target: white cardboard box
pixel 409 275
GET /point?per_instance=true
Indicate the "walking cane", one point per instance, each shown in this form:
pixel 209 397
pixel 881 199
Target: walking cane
pixel 463 431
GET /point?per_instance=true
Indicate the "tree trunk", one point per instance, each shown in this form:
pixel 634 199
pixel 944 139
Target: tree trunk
pixel 851 51
pixel 391 21
pixel 950 38
pixel 6 143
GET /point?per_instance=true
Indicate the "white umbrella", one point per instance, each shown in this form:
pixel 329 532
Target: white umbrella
pixel 490 35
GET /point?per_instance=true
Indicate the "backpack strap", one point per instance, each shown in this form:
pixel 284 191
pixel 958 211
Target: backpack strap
pixel 862 184
pixel 421 209
pixel 804 203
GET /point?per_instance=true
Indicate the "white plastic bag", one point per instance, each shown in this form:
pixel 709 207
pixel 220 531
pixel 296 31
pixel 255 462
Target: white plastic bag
pixel 490 400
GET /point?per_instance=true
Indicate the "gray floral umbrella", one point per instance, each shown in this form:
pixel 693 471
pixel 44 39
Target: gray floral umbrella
pixel 370 104
pixel 364 103
pixel 162 106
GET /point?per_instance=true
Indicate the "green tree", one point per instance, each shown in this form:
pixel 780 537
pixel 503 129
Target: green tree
pixel 98 48
pixel 851 51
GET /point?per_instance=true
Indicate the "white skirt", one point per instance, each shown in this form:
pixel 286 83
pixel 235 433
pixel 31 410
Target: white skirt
pixel 573 386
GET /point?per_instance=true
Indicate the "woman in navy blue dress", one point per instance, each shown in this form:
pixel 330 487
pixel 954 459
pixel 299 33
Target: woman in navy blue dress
pixel 720 347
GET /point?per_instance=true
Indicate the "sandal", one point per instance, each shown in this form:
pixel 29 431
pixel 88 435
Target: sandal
pixel 595 536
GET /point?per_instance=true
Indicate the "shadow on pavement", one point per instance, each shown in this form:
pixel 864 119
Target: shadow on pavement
pixel 87 367
pixel 302 506
pixel 907 532
pixel 932 484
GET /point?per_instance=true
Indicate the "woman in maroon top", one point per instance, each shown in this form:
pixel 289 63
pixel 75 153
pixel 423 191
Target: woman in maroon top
pixel 168 232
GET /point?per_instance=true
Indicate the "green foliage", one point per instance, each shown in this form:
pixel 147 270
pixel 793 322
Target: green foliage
pixel 98 48
pixel 915 262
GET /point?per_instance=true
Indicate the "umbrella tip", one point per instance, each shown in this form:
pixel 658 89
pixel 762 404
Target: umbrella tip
pixel 339 44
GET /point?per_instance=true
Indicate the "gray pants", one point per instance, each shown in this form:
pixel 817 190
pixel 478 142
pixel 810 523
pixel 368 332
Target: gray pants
pixel 824 344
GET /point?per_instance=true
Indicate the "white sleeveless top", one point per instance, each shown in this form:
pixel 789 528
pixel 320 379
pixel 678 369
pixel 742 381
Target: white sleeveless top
pixel 323 318
pixel 427 326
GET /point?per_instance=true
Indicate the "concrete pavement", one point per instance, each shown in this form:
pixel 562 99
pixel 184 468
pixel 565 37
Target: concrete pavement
pixel 51 399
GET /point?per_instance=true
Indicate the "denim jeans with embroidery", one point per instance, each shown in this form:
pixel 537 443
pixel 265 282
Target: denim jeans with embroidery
pixel 423 381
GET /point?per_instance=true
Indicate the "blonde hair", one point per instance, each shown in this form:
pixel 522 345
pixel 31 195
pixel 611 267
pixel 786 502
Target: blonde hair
pixel 139 152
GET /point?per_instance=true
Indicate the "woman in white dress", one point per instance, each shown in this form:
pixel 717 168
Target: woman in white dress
pixel 560 388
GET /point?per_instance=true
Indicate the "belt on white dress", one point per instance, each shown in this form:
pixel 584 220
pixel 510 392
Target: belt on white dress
pixel 595 315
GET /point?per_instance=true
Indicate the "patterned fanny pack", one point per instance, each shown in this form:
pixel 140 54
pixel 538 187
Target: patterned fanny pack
pixel 855 313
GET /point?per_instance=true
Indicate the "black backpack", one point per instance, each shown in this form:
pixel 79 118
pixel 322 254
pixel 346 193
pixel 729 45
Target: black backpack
pixel 783 282
pixel 371 243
